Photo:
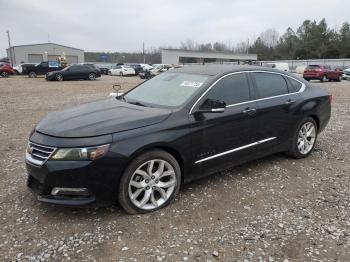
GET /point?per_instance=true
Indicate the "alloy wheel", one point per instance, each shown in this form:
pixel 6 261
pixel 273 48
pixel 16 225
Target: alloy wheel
pixel 92 76
pixel 152 184
pixel 306 138
pixel 59 77
pixel 4 74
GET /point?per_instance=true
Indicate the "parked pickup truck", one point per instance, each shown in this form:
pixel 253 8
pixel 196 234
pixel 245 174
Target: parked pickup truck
pixel 323 73
pixel 41 69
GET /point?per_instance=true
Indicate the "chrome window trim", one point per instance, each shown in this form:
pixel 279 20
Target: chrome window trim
pixel 235 149
pixel 302 89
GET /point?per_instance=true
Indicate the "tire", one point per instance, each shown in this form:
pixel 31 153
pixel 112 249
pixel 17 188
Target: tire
pixel 324 79
pixel 32 75
pixel 4 74
pixel 59 77
pixel 148 193
pixel 340 78
pixel 92 76
pixel 307 79
pixel 121 73
pixel 296 148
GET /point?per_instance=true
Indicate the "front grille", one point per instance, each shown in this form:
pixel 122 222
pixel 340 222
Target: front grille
pixel 39 154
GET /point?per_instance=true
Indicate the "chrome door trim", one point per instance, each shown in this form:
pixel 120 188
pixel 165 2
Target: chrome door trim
pixel 303 87
pixel 235 149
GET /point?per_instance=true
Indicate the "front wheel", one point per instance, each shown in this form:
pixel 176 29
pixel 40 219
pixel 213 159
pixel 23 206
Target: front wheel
pixel 59 77
pixel 304 139
pixel 4 74
pixel 150 182
pixel 121 73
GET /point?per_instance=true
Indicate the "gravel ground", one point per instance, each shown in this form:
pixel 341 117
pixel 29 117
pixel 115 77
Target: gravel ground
pixel 273 209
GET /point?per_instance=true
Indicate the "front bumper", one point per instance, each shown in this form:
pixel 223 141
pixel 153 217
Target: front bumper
pixel 346 77
pixel 76 183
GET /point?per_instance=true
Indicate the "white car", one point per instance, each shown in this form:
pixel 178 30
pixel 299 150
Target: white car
pixel 19 68
pixel 146 66
pixel 121 70
pixel 280 66
pixel 346 74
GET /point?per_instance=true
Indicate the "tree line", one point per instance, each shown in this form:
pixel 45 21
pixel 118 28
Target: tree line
pixel 311 40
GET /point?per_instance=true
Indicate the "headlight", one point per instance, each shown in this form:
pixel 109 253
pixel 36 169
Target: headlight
pixel 74 154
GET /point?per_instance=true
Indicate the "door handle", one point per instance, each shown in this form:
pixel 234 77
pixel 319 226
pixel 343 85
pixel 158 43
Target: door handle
pixel 290 101
pixel 250 111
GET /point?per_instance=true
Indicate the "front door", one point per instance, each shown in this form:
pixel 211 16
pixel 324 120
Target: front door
pixel 224 139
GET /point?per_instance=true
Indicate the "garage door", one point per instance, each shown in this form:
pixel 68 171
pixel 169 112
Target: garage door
pixel 35 58
pixel 71 59
pixel 52 57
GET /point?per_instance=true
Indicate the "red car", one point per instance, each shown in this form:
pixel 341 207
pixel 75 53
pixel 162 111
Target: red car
pixel 323 73
pixel 5 70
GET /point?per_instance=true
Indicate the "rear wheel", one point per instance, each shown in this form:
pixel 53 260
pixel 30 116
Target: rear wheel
pixel 150 182
pixel 121 73
pixel 339 78
pixel 32 74
pixel 92 76
pixel 304 139
pixel 59 77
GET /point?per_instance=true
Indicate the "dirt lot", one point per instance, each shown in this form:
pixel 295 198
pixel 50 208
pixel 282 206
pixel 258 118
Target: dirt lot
pixel 274 209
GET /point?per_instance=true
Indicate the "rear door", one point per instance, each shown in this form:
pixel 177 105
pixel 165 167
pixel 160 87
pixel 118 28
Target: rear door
pixel 276 103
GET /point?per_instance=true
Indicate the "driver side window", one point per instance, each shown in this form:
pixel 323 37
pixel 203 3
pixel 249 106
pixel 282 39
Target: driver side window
pixel 232 89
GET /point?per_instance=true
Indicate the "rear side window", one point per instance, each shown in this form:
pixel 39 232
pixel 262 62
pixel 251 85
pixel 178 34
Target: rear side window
pixel 231 89
pixel 313 67
pixel 270 84
pixel 295 85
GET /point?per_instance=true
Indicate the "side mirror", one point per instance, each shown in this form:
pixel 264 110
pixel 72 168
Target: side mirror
pixel 212 106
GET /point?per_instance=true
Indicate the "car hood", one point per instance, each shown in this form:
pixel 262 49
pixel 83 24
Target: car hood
pixel 100 118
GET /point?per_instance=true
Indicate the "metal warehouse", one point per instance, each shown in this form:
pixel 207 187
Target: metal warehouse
pixel 179 56
pixel 37 53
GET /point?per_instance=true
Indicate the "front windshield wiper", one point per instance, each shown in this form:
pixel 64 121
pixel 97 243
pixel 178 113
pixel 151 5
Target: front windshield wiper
pixel 136 103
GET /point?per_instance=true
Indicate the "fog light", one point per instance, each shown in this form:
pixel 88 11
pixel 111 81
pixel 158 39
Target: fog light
pixel 69 191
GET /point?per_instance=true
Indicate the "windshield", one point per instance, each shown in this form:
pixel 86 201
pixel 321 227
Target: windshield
pixel 167 89
pixel 313 66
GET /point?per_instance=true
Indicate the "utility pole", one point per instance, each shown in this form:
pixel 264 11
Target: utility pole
pixel 10 51
pixel 143 52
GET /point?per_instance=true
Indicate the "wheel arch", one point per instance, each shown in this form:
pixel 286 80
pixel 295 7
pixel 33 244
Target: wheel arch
pixel 317 120
pixel 165 147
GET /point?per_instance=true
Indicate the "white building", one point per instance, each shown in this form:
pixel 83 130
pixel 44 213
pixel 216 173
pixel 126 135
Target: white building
pixel 179 56
pixel 37 53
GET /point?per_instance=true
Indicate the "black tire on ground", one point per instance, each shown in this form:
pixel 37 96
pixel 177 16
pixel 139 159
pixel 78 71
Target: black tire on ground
pixel 59 77
pixel 307 79
pixel 32 75
pixel 123 194
pixel 339 79
pixel 4 74
pixel 293 150
pixel 121 73
pixel 92 76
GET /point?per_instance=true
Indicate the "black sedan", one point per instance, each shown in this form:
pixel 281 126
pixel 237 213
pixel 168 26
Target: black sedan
pixel 139 148
pixel 74 72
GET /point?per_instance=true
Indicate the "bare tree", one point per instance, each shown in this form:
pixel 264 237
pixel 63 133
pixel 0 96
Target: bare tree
pixel 270 37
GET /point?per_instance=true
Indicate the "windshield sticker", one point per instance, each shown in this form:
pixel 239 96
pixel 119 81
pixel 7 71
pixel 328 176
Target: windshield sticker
pixel 191 84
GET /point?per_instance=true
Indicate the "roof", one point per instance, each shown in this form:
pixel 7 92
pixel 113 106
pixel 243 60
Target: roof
pixel 47 44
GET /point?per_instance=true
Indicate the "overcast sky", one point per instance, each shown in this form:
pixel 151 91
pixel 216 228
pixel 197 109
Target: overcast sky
pixel 124 25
